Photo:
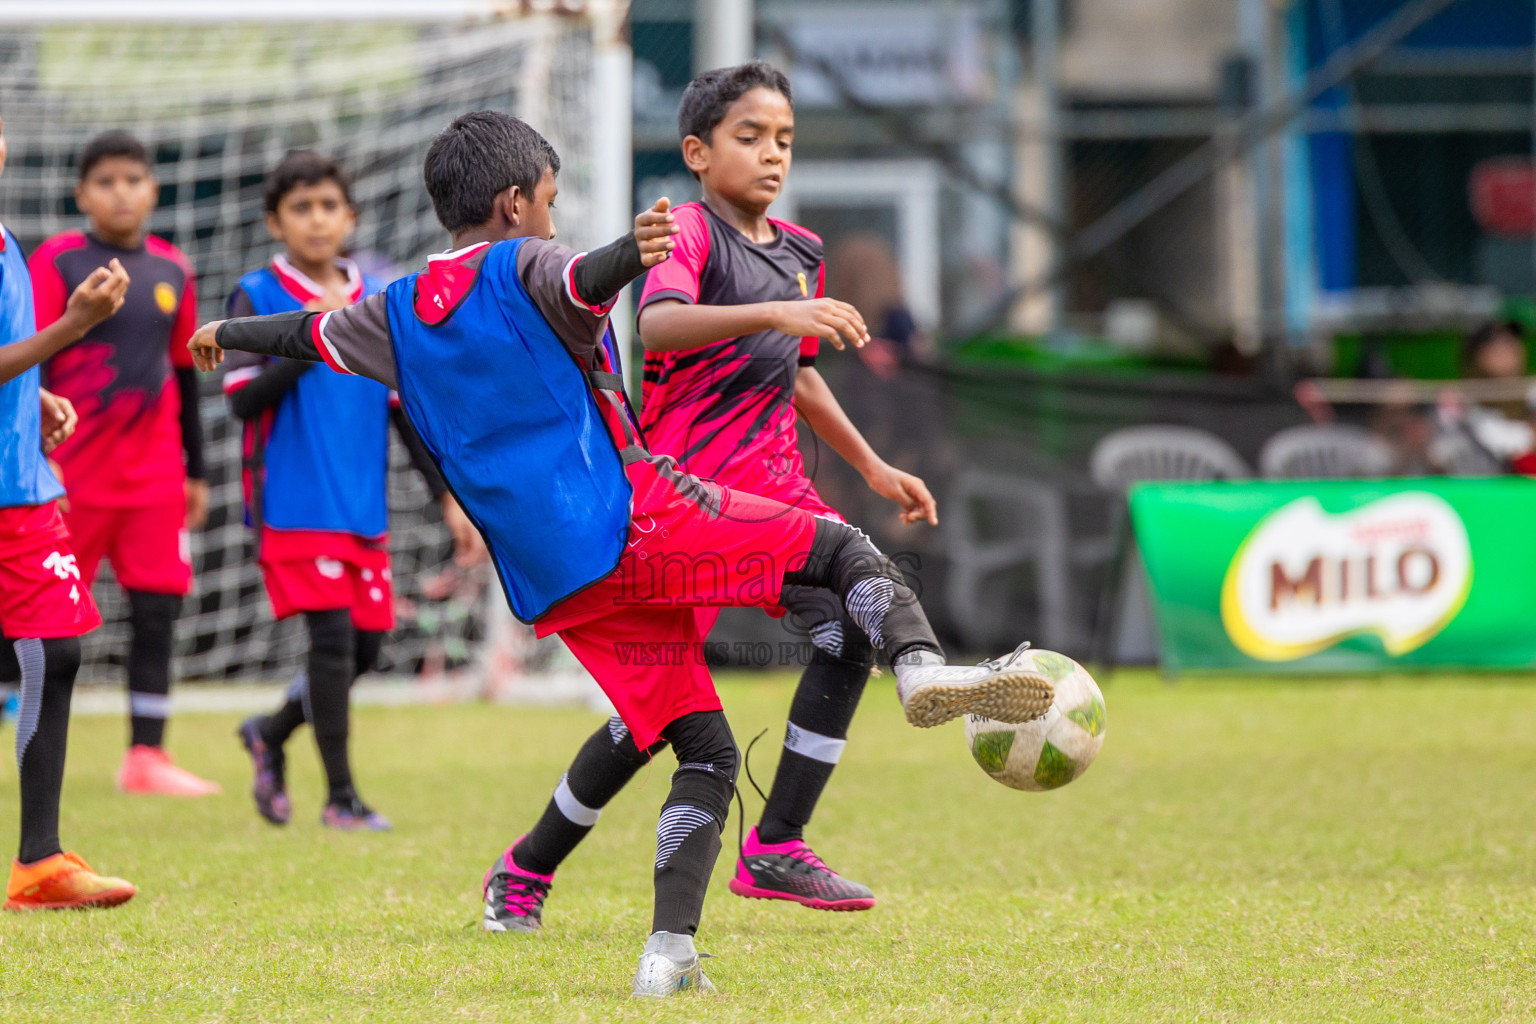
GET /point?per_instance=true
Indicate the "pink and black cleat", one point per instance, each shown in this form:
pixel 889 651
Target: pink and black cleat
pixel 792 871
pixel 514 898
pixel 268 790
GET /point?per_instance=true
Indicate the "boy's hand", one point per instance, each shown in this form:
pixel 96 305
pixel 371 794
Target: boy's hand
pixel 906 490
pixel 59 419
pixel 822 318
pixel 98 296
pixel 204 346
pixel 468 546
pixel 654 230
pixel 197 503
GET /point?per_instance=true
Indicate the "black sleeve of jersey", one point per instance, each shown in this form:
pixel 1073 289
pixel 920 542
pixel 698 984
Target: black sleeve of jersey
pixel 267 388
pixel 278 334
pixel 240 304
pixel 416 448
pixel 602 274
pixel 191 423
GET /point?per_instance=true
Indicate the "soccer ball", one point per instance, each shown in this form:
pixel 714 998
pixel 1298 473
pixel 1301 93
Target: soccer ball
pixel 1051 751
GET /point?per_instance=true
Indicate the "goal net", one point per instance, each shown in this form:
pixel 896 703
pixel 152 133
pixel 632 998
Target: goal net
pixel 218 105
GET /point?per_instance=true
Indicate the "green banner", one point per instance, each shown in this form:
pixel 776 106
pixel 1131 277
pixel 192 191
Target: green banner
pixel 1342 576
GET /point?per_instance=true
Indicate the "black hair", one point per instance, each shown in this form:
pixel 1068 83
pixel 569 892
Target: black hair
pixel 110 144
pixel 1485 336
pixel 708 96
pixel 303 167
pixel 478 157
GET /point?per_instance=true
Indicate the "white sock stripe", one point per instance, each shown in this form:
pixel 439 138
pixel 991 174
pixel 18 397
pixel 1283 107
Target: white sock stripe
pixel 576 812
pixel 149 705
pixel 813 745
pixel 829 637
pixel 677 823
pixel 868 600
pixel 617 729
pixel 29 654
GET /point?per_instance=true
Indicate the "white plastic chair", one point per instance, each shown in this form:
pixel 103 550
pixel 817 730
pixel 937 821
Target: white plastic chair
pixel 1331 452
pixel 1036 516
pixel 1146 454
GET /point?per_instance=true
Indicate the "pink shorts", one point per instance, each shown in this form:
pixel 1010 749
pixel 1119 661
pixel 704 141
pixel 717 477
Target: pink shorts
pixel 41 592
pixel 354 579
pixel 147 545
pixel 690 546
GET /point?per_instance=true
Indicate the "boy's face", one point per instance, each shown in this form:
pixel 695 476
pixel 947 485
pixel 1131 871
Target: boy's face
pixel 118 195
pixel 3 150
pixel 747 156
pixel 1503 356
pixel 533 216
pixel 313 221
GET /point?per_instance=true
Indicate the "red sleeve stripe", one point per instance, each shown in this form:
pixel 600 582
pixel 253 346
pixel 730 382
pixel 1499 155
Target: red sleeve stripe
pixel 327 350
pixel 569 274
pixel 234 380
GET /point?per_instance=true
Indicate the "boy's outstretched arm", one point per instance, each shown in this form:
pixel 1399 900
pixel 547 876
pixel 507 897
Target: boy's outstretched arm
pixel 669 325
pixel 815 401
pixel 98 297
pixel 354 340
pixel 599 276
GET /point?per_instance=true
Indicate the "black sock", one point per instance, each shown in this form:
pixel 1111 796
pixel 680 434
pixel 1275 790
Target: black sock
pixel 603 766
pixel 277 727
pixel 819 716
pixel 48 670
pixel 692 818
pixel 152 622
pixel 332 662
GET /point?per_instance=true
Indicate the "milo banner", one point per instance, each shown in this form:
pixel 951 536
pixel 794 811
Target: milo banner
pixel 1342 576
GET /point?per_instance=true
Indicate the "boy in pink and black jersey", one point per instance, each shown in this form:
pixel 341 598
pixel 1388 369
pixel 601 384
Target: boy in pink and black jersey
pixel 732 324
pixel 134 469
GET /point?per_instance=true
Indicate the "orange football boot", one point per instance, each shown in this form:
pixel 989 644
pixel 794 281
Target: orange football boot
pixel 63 882
pixel 148 769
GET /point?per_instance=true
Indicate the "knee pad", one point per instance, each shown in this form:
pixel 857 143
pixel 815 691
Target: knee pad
pixel 842 640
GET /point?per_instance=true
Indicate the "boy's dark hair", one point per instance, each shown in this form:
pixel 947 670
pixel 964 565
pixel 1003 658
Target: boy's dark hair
pixel 710 94
pixel 303 167
pixel 110 144
pixel 478 157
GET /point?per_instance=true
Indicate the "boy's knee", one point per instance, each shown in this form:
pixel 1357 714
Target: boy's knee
pixel 152 613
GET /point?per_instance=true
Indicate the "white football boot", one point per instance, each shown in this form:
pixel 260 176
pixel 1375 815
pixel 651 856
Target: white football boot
pixel 669 965
pixel 1008 689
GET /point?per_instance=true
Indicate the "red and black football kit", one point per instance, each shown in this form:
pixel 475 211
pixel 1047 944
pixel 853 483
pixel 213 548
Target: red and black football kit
pixel 132 383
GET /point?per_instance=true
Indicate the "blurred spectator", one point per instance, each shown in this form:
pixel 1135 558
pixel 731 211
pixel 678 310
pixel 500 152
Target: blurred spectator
pixel 862 271
pixel 1475 439
pixel 1410 431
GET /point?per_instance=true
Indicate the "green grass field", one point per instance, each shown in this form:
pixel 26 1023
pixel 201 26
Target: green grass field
pixel 1297 851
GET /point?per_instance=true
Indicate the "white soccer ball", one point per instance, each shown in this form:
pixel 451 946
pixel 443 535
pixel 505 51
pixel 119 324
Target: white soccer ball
pixel 1051 751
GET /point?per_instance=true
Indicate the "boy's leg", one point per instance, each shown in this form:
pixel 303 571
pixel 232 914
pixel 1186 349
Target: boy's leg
pixel 516 884
pixel 687 846
pixel 48 669
pixel 775 861
pixel 150 556
pixel 45 607
pixel 820 713
pixel 151 622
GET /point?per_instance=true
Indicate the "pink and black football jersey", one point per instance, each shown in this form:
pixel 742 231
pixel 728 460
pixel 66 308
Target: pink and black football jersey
pixel 128 449
pixel 726 411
